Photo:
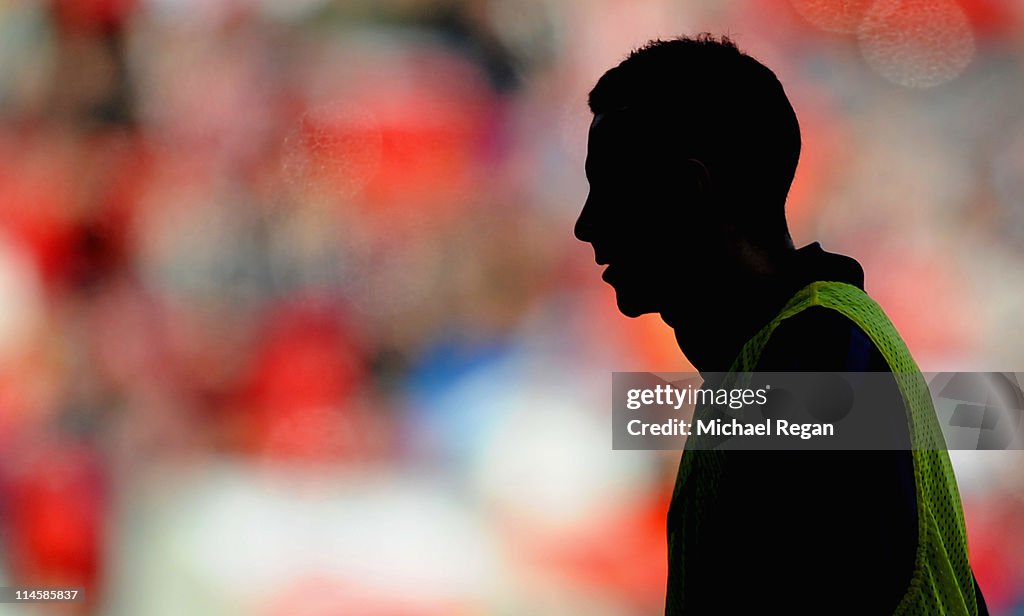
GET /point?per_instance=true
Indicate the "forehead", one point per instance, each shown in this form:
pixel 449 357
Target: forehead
pixel 610 128
pixel 617 141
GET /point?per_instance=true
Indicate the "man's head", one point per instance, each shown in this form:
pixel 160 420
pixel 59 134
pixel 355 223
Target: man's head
pixel 691 154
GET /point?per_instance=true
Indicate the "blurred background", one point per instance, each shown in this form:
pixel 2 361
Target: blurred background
pixel 292 320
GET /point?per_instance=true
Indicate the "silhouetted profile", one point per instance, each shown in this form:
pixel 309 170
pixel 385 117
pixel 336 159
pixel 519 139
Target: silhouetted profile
pixel 692 150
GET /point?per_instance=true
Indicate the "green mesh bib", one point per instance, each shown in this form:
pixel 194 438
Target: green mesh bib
pixel 942 582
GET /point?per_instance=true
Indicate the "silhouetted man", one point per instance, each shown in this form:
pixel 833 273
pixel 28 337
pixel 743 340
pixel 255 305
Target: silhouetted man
pixel 692 150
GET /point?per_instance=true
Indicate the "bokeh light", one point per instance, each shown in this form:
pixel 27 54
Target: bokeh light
pixel 917 43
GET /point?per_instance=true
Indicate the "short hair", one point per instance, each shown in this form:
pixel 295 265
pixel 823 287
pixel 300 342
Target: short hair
pixel 716 104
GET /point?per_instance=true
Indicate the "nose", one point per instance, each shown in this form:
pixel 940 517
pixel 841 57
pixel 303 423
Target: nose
pixel 583 227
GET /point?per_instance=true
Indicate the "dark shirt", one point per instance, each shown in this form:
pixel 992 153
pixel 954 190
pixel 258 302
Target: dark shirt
pixel 842 524
pixel 812 532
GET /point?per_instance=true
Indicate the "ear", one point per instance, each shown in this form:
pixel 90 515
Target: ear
pixel 700 173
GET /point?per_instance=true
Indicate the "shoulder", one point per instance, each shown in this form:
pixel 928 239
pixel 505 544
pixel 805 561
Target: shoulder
pixel 820 339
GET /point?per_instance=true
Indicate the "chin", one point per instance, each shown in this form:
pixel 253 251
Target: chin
pixel 633 306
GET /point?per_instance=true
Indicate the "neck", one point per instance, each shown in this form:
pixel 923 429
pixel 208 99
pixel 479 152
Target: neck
pixel 734 303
